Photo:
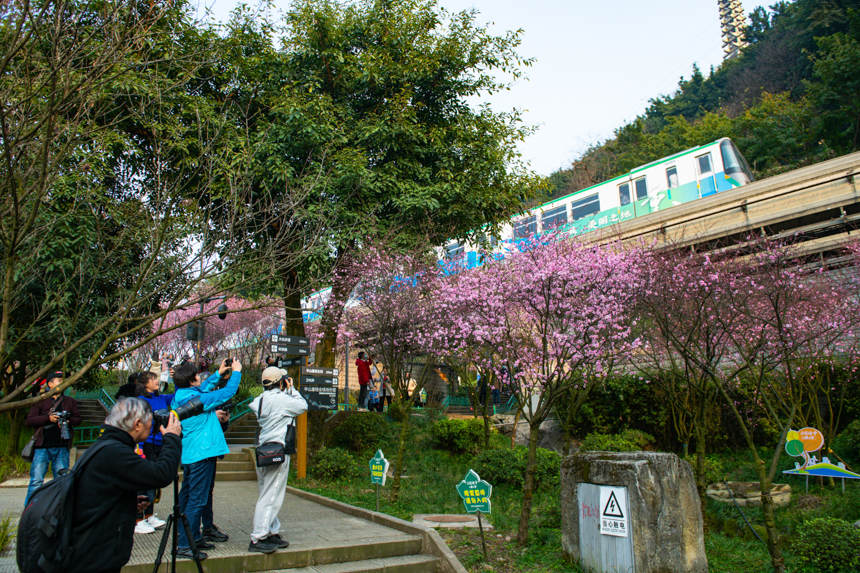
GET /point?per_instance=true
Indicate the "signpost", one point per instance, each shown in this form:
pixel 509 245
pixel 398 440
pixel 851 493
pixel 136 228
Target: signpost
pixel 296 349
pixel 319 387
pixel 475 494
pixel 806 441
pixel 378 471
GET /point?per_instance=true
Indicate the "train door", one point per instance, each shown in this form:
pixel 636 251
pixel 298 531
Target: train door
pixel 705 168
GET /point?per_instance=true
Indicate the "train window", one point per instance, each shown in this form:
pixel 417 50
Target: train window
pixel 525 227
pixel 672 177
pixel 641 188
pixel 624 193
pixel 584 207
pixel 553 218
pixel 704 164
pixel 453 250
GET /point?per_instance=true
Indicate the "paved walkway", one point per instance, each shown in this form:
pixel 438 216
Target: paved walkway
pixel 313 528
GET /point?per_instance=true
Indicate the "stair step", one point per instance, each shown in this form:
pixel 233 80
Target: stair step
pixel 227 466
pixel 399 564
pixel 241 440
pixel 236 475
pixel 237 457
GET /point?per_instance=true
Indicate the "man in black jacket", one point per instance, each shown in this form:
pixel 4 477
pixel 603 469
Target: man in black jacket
pixel 106 492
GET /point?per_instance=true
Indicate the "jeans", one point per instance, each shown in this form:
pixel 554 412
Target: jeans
pixel 207 518
pixel 194 495
pixel 362 396
pixel 57 457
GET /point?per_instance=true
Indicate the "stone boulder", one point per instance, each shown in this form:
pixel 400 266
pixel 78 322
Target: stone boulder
pixel 746 493
pixel 665 519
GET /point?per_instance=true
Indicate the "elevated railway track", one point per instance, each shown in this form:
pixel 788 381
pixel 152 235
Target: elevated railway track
pixel 815 207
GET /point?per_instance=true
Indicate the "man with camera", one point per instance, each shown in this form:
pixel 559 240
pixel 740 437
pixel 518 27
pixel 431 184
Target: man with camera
pixel 106 490
pixel 276 408
pixel 54 419
pixel 202 442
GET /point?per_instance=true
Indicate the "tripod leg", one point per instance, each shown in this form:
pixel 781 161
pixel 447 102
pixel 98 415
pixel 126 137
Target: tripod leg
pixel 162 545
pixel 191 542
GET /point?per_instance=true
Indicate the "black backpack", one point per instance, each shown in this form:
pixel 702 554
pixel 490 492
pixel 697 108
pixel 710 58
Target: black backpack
pixel 45 528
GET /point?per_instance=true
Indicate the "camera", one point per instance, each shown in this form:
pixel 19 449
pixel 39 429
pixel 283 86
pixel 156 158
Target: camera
pixel 190 408
pixel 63 422
pixel 228 362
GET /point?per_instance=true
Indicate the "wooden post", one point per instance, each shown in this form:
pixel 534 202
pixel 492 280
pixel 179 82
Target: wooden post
pixel 302 446
pixel 301 438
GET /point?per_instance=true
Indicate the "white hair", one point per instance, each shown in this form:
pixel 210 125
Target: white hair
pixel 127 411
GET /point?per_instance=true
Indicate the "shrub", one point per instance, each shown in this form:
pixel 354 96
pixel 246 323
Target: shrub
pixel 847 443
pixel 458 436
pixel 333 463
pixel 7 533
pixel 361 431
pixel 714 470
pixel 828 544
pixel 508 466
pixel 626 441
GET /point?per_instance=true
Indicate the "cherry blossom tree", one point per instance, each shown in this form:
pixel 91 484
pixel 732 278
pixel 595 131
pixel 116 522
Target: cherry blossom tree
pixel 555 314
pixel 391 303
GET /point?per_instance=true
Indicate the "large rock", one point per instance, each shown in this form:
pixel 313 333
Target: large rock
pixel 665 518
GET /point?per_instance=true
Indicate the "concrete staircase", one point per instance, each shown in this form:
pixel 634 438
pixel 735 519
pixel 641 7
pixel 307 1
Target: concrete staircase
pixel 236 466
pixel 242 431
pixel 92 413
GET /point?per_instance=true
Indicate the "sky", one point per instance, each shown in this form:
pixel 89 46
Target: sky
pixel 597 63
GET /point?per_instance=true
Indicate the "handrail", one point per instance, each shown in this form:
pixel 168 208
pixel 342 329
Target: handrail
pixel 105 399
pixel 87 434
pixel 241 409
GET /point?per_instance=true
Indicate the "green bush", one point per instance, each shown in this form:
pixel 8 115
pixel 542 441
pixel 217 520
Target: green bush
pixel 7 533
pixel 333 463
pixel 828 544
pixel 508 466
pixel 626 441
pixel 458 436
pixel 361 431
pixel 714 470
pixel 847 443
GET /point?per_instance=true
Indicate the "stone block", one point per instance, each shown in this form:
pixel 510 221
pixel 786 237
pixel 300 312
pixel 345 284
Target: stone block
pixel 665 519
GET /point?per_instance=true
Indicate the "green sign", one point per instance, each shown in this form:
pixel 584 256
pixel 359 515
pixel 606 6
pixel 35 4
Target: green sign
pixel 475 493
pixel 378 468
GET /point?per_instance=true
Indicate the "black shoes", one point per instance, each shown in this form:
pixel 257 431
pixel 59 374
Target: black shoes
pixel 185 553
pixel 204 544
pixel 277 540
pixel 262 546
pixel 215 534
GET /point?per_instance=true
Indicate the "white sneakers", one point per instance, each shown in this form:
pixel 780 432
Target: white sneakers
pixel 154 522
pixel 143 527
pixel 149 525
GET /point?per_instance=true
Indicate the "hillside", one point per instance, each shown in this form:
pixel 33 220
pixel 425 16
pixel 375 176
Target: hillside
pixel 790 99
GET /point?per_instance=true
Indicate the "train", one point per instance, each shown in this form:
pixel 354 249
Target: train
pixel 679 178
pixel 666 182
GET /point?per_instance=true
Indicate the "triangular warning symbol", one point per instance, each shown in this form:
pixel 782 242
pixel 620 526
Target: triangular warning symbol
pixel 613 508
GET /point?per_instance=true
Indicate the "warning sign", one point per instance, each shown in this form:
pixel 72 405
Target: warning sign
pixel 613 511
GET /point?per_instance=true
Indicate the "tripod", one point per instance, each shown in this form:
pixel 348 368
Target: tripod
pixel 173 524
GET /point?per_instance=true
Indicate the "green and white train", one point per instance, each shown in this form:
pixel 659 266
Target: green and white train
pixel 680 178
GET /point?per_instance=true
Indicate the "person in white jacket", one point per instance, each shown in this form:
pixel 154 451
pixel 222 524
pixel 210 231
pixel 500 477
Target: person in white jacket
pixel 276 408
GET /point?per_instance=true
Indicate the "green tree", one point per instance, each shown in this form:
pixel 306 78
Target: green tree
pixel 376 106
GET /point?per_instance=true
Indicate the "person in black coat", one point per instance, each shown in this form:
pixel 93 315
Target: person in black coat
pixel 106 491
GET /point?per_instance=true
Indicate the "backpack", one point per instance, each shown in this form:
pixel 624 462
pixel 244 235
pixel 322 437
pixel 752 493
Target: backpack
pixel 45 528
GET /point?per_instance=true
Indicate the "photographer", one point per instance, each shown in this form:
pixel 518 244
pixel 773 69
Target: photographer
pixel 276 408
pixel 202 443
pixel 149 383
pixel 103 521
pixel 54 419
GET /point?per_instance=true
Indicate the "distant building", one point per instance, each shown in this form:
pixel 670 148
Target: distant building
pixel 732 24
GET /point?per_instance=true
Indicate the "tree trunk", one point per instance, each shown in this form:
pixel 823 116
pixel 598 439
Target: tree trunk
pixel 701 485
pixel 529 486
pixel 401 449
pixel 514 432
pixel 16 423
pixel 767 508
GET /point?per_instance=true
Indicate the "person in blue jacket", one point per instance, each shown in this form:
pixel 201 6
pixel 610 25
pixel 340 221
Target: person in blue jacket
pixel 148 385
pixel 202 442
